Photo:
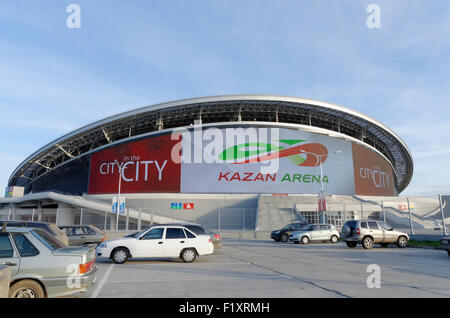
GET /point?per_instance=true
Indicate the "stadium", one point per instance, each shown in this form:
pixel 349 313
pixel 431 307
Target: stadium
pixel 270 158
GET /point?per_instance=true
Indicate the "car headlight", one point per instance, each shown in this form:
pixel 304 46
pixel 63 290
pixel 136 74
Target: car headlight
pixel 103 245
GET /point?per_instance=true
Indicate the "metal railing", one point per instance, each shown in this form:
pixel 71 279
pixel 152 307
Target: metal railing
pixel 277 215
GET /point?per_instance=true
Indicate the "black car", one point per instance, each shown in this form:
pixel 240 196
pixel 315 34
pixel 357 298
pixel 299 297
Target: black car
pixel 283 234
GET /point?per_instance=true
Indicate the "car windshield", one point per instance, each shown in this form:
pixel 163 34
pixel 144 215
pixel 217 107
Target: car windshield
pixel 207 231
pixel 47 239
pixel 286 227
pixel 308 227
pixel 56 230
pixel 385 226
pixel 197 229
pixel 137 234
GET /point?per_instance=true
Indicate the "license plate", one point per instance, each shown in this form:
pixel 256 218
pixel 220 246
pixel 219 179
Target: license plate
pixel 445 242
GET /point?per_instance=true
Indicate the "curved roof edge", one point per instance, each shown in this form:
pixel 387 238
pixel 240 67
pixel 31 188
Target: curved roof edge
pixel 221 98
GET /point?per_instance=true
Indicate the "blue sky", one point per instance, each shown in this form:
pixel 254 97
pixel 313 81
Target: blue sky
pixel 136 53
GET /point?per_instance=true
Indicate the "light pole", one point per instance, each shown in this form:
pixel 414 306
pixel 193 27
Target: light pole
pixel 118 195
pixel 319 162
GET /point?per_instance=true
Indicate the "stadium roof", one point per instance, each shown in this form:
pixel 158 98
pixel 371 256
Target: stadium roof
pixel 219 109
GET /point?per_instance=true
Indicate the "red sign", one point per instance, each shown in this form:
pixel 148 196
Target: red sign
pixel 373 174
pixel 188 206
pixel 322 202
pixel 146 167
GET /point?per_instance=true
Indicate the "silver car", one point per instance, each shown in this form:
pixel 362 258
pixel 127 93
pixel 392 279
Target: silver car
pixel 315 232
pixel 370 232
pixel 83 234
pixel 42 266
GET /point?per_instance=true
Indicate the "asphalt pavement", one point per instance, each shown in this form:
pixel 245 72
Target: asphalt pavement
pixel 264 268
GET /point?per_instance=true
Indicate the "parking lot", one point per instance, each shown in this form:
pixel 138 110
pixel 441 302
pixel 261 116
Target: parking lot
pixel 263 268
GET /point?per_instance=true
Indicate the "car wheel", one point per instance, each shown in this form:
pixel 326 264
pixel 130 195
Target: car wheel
pixel 284 238
pixel 119 255
pixel 334 239
pixel 367 243
pixel 402 242
pixel 188 255
pixel 384 244
pixel 26 289
pixel 305 240
pixel 351 244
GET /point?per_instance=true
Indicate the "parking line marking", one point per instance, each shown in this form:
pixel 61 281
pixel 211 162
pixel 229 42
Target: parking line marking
pixel 102 282
pixel 200 279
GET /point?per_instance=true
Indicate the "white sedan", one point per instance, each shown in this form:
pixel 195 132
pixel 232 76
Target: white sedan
pixel 158 241
pixel 315 232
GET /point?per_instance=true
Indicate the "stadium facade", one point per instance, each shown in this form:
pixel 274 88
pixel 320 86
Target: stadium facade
pixel 214 152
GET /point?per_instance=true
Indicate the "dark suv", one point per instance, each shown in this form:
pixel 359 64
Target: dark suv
pixel 283 234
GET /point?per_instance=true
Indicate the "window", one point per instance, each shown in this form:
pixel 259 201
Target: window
pixel 189 234
pixel 6 249
pixel 364 225
pixel 196 229
pixel 154 234
pixel 37 224
pixel 325 227
pixel 78 231
pixel 47 239
pixel 12 224
pixel 373 225
pixel 386 226
pixel 175 233
pixel 316 228
pixel 25 247
pixel 89 231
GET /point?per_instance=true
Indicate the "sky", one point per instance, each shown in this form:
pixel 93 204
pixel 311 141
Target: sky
pixel 125 55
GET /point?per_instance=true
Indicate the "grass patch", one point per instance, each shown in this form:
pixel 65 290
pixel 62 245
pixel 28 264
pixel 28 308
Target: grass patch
pixel 425 243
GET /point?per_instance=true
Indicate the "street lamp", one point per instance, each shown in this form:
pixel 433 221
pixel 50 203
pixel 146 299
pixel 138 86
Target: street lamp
pixel 118 195
pixel 319 162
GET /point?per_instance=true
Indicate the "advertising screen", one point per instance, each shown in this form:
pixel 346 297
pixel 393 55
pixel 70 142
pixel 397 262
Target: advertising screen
pixel 288 162
pixel 241 160
pixel 146 167
pixel 373 173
